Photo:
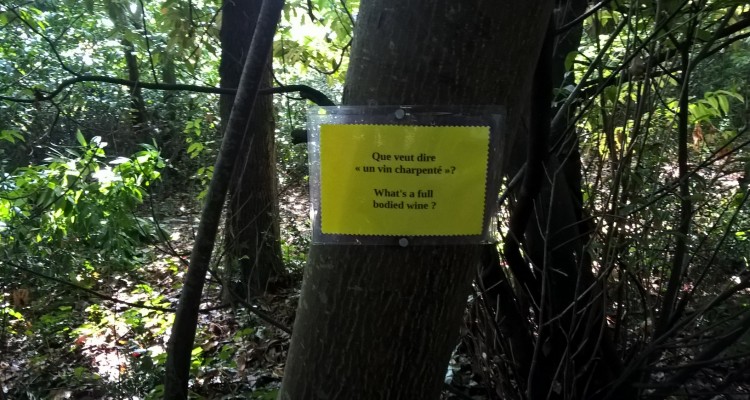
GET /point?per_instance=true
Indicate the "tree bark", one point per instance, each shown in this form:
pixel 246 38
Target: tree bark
pixel 379 322
pixel 574 357
pixel 123 18
pixel 138 114
pixel 186 318
pixel 253 245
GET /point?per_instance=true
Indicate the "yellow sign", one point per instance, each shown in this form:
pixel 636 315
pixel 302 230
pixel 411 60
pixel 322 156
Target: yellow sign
pixel 405 180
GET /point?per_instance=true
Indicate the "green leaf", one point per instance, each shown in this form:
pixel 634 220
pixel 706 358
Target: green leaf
pixel 723 103
pixel 713 102
pixel 80 138
pixel 610 93
pixel 731 94
pixel 194 149
pixel 13 313
pixel 570 59
pixel 10 135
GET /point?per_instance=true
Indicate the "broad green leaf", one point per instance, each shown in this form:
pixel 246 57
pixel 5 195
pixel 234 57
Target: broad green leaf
pixel 723 103
pixel 80 138
pixel 732 94
pixel 713 102
pixel 570 60
pixel 194 149
pixel 10 135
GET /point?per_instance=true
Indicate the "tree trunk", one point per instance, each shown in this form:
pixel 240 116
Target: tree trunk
pixel 573 357
pixel 138 114
pixel 123 20
pixel 186 318
pixel 253 247
pixel 378 322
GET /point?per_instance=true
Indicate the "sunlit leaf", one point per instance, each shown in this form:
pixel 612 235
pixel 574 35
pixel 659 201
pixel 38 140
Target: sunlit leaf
pixel 80 138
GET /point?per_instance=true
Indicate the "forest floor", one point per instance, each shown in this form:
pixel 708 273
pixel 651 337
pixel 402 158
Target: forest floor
pixel 104 335
pixel 102 332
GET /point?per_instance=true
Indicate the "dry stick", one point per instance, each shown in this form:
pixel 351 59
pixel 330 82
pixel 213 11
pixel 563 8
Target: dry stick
pixel 186 318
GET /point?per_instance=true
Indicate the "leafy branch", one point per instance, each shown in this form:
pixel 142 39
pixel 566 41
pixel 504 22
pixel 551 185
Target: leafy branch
pixel 49 41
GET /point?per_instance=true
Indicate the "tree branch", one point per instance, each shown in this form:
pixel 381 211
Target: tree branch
pixel 87 290
pixel 49 41
pixel 348 13
pixel 735 27
pixel 582 17
pixel 336 64
pixel 726 44
pixel 306 92
pixel 142 8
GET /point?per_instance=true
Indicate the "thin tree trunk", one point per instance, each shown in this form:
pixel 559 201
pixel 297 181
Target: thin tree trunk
pixel 186 319
pixel 123 18
pixel 253 246
pixel 138 114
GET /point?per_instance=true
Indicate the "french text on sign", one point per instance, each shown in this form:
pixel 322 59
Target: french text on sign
pixel 402 157
pixel 402 179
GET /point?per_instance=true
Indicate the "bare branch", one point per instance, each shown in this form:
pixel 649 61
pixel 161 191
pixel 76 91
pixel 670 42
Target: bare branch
pixel 346 10
pixel 582 17
pixel 144 26
pixel 305 91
